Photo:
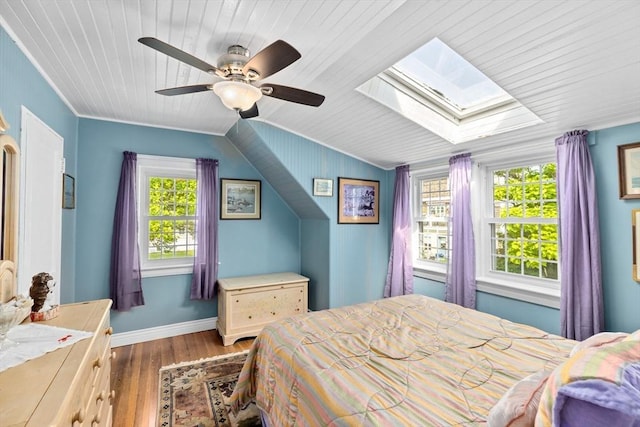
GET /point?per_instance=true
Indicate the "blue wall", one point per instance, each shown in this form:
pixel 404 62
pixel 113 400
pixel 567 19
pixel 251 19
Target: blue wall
pixel 246 247
pixel 358 253
pixel 22 85
pixel 621 292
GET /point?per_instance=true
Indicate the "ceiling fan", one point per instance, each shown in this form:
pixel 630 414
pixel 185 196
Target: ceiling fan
pixel 239 71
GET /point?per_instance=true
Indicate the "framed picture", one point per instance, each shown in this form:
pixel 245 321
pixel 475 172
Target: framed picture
pixel 629 170
pixel 240 199
pixel 322 187
pixel 635 236
pixel 68 191
pixel 358 201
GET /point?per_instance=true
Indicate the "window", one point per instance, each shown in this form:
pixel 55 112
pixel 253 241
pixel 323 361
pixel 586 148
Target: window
pixel 431 220
pixel 524 224
pixel 515 211
pixel 438 89
pixel 166 215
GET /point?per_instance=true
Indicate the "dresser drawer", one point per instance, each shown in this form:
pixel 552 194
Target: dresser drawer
pixel 246 304
pixel 264 305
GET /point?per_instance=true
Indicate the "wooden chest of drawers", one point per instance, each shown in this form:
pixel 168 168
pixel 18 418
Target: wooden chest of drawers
pixel 69 386
pixel 246 304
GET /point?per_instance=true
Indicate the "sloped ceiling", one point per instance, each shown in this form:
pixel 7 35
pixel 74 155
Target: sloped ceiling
pixel 576 64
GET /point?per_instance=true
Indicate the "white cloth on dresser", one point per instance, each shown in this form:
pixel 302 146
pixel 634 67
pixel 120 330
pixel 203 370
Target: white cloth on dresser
pixel 33 340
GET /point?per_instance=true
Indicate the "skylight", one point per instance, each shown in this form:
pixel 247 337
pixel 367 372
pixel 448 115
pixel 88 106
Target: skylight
pixel 443 92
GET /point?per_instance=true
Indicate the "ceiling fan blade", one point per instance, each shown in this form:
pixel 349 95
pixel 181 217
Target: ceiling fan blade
pixel 292 94
pixel 176 53
pixel 251 112
pixel 181 90
pixel 272 59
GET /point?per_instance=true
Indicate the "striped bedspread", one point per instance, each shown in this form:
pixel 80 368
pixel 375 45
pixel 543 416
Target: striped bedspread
pixel 402 361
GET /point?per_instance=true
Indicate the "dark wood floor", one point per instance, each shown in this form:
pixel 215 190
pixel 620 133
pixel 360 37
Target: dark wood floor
pixel 134 372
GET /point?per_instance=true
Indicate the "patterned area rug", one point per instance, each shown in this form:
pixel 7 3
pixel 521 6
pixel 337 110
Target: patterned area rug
pixel 195 394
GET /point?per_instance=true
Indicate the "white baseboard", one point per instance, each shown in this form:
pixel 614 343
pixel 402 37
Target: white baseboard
pixel 166 331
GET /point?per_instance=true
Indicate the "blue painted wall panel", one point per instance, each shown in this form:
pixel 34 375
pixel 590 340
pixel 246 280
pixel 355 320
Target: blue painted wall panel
pixel 22 85
pixel 621 292
pixel 246 246
pixel 358 254
pixel 315 262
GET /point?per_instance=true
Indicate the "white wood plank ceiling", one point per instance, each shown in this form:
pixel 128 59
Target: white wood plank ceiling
pixel 573 63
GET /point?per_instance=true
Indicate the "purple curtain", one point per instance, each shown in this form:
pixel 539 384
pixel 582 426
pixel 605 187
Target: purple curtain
pixel 125 284
pixel 460 285
pixel 581 312
pixel 400 270
pixel 205 264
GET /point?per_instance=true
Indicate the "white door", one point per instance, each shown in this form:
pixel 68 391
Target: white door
pixel 40 239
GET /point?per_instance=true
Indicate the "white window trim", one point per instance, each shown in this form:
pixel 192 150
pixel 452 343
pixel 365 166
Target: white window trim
pixel 159 165
pixel 531 290
pixel 435 270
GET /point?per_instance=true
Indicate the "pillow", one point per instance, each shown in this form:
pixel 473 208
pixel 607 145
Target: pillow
pixel 599 340
pixel 634 335
pixel 518 406
pixel 597 383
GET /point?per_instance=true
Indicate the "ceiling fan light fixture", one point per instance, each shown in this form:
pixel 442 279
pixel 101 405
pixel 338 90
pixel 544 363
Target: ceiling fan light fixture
pixel 237 95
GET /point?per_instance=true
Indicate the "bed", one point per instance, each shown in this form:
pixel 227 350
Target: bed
pixel 409 360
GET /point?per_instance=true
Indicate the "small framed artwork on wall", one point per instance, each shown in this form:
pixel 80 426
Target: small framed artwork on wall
pixel 240 199
pixel 358 201
pixel 629 170
pixel 68 191
pixel 322 187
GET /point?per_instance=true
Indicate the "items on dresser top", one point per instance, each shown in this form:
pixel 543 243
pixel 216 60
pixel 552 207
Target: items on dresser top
pixel 32 340
pixel 247 303
pixel 70 386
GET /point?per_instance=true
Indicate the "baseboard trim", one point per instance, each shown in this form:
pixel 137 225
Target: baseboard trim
pixel 166 331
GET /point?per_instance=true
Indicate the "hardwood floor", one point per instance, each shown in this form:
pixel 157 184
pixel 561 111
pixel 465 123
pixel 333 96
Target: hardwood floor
pixel 134 372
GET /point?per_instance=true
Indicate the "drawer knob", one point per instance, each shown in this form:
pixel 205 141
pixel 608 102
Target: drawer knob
pixel 112 395
pixel 78 416
pixel 101 396
pixel 96 419
pixel 97 363
pixel 109 331
pixel 113 355
pixel 249 317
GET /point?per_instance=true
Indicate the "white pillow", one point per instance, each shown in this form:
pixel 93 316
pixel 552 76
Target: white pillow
pixel 519 405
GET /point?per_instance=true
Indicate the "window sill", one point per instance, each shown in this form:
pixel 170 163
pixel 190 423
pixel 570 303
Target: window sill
pixel 166 271
pixel 530 293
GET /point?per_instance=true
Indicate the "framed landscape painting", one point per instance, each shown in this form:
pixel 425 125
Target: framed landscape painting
pixel 358 201
pixel 629 170
pixel 240 199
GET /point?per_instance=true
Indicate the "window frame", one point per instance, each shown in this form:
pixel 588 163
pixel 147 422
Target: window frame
pixel 154 166
pixel 424 268
pixel 529 289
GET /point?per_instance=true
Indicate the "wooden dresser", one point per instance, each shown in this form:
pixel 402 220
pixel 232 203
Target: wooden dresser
pixel 246 304
pixel 69 386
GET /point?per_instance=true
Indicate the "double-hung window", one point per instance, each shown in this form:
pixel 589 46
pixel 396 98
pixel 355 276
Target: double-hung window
pixel 431 221
pixel 515 211
pixel 166 215
pixel 518 251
